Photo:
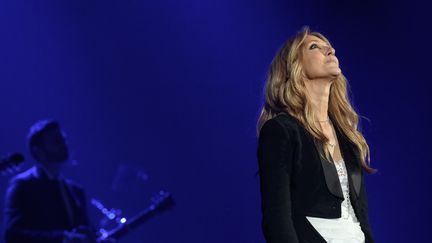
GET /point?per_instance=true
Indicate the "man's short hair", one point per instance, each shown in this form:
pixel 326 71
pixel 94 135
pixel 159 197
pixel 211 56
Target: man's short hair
pixel 34 137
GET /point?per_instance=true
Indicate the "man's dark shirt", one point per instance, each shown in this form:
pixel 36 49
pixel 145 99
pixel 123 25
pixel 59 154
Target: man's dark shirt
pixel 40 208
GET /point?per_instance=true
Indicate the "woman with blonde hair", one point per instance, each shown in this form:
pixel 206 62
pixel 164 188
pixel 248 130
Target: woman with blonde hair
pixel 311 154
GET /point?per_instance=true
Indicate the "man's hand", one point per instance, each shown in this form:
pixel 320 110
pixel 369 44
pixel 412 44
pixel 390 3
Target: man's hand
pixel 75 237
pixel 108 240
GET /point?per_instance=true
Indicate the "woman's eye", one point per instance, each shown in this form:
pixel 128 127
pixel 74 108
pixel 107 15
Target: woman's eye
pixel 313 46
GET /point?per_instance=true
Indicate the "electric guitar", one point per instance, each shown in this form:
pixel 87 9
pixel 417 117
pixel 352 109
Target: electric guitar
pixel 161 202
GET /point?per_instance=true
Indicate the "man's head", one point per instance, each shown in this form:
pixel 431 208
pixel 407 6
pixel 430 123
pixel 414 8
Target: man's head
pixel 47 142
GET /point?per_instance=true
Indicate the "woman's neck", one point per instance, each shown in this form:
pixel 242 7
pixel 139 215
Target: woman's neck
pixel 319 92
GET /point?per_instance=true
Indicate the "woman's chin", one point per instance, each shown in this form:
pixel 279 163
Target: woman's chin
pixel 335 72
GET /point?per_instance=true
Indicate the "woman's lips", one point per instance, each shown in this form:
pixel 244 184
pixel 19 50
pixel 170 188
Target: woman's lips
pixel 332 60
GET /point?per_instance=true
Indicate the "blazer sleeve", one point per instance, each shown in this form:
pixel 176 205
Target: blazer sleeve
pixel 369 238
pixel 275 159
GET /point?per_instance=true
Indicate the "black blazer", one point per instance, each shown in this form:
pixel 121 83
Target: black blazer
pixel 297 182
pixel 35 210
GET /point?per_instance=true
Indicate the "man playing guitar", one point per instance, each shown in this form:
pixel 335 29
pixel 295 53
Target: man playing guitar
pixel 41 205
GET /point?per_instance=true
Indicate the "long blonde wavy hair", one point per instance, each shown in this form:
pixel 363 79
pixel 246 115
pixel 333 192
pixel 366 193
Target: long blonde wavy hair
pixel 285 91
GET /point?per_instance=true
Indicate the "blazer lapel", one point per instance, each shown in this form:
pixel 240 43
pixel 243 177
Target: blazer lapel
pixel 351 159
pixel 331 176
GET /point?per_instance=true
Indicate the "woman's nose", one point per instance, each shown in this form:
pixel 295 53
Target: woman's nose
pixel 330 51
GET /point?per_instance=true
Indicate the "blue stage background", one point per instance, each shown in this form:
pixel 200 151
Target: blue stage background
pixel 172 90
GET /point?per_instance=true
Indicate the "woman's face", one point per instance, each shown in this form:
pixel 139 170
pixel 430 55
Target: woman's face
pixel 319 60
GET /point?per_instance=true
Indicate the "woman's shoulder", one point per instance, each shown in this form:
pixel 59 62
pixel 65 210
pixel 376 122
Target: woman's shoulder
pixel 282 121
pixel 286 120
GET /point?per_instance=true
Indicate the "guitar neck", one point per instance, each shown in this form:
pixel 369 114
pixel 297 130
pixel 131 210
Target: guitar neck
pixel 131 224
pixel 163 202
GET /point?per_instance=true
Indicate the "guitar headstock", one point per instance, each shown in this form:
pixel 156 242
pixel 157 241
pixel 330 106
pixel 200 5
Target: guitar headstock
pixel 161 201
pixel 10 164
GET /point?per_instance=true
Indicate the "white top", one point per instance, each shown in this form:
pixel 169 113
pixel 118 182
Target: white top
pixel 345 229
